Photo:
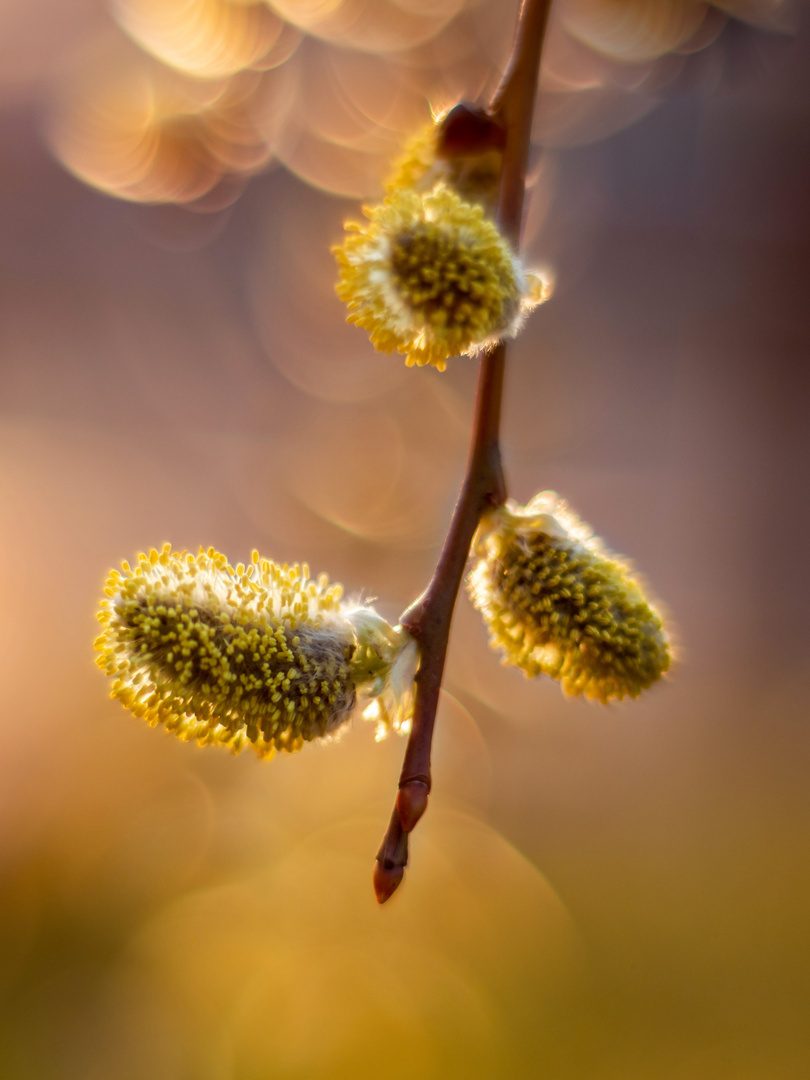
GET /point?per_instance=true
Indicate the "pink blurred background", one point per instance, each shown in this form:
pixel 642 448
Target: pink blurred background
pixel 595 894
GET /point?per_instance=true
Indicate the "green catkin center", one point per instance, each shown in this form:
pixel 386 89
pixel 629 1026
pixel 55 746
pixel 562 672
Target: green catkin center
pixel 239 671
pixel 606 641
pixel 456 288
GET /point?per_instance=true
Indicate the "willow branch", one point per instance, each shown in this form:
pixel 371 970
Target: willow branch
pixel 429 619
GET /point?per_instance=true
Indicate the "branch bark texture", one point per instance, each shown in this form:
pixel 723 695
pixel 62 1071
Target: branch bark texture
pixel 428 620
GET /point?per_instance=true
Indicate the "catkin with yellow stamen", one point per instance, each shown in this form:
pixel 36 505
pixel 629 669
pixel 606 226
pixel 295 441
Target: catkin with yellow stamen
pixel 260 655
pixel 431 277
pixel 558 603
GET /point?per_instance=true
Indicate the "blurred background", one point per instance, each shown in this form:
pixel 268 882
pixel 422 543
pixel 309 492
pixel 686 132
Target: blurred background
pixel 595 894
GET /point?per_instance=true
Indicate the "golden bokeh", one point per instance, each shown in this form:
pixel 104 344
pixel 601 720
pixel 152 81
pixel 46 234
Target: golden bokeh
pixel 595 893
pixel 205 38
pixel 633 30
pixel 337 85
pixel 145 133
pixel 370 25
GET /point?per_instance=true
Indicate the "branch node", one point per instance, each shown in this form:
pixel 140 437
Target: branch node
pixel 412 800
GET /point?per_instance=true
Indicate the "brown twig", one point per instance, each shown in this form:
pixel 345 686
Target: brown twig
pixel 428 620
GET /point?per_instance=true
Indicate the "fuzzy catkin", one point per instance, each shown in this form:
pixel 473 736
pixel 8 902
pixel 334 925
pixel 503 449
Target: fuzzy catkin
pixel 259 655
pixel 430 276
pixel 557 603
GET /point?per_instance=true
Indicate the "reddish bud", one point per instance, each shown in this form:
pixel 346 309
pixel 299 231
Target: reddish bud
pixel 386 880
pixel 469 130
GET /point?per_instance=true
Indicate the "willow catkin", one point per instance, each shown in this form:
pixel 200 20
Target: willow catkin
pixel 557 603
pixel 259 655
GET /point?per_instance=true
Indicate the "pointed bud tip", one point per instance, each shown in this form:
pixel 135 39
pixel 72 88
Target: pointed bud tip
pixel 386 881
pixel 468 129
pixel 412 800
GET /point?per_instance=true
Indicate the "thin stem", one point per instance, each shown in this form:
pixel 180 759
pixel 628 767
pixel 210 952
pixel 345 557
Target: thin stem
pixel 429 619
pixel 513 107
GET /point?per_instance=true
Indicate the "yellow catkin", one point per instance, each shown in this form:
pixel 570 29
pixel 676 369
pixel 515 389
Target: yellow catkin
pixel 259 655
pixel 416 166
pixel 558 603
pixel 431 277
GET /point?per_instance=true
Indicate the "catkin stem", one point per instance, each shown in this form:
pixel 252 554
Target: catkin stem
pixel 429 619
